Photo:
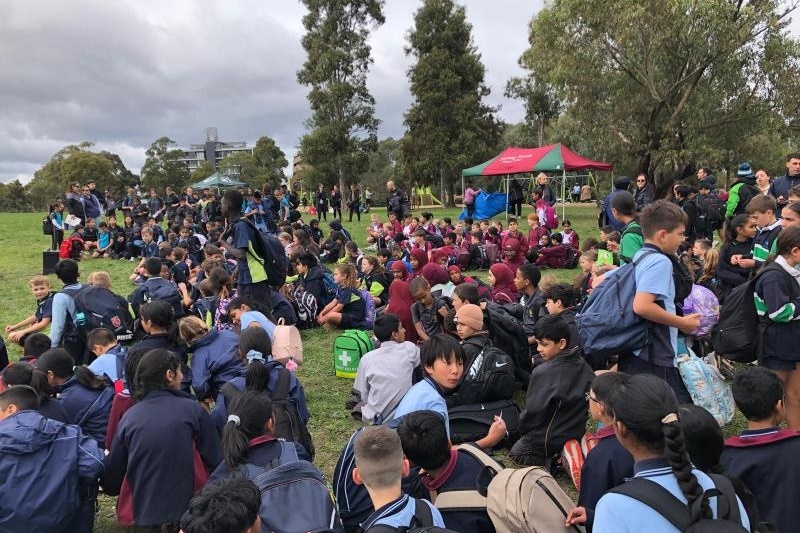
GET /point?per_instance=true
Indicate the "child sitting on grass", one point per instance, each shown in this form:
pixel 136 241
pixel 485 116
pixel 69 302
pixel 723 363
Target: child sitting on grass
pixel 40 319
pixel 555 405
pixel 347 310
pixel 427 312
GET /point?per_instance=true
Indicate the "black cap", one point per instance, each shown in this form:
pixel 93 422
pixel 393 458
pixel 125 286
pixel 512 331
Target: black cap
pixel 622 182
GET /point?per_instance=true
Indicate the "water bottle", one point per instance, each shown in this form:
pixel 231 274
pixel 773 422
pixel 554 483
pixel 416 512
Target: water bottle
pixel 80 318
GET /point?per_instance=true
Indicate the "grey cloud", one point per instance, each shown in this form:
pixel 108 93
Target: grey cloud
pixel 124 73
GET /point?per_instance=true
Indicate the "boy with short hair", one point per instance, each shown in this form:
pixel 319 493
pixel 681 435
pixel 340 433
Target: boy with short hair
pixel 90 235
pixel 380 466
pixel 765 457
pixel 384 374
pixel 555 404
pixel 104 242
pixel 662 224
pixel 623 207
pixel 531 305
pixel 762 209
pixel 427 312
pixel 425 444
pixel 110 356
pixel 40 319
pixel 514 233
pixel 35 345
pixel 560 300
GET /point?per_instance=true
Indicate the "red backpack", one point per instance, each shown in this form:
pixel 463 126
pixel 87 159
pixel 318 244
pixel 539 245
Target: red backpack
pixel 551 217
pixel 65 251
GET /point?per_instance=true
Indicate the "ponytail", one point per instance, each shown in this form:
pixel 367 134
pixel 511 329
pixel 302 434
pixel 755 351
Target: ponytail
pixel 248 416
pixel 88 379
pixel 25 374
pixel 648 408
pixel 255 350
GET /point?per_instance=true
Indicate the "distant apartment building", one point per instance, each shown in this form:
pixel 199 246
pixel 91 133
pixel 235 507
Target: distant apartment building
pixel 213 151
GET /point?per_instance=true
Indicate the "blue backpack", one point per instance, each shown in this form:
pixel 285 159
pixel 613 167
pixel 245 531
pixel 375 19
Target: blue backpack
pixel 369 308
pixel 286 482
pixel 330 287
pixel 607 323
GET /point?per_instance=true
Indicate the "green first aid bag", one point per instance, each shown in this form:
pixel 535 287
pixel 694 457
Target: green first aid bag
pixel 348 349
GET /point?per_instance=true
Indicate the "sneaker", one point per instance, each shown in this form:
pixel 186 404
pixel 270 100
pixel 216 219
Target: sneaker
pixel 131 260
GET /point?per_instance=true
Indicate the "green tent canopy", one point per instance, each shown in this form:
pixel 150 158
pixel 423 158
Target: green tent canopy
pixel 217 180
pixel 550 158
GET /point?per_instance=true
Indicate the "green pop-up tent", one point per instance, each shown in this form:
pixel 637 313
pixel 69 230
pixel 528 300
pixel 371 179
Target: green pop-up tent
pixel 218 181
pixel 550 158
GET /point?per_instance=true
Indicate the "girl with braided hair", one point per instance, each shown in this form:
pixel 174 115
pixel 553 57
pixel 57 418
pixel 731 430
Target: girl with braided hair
pixel 645 414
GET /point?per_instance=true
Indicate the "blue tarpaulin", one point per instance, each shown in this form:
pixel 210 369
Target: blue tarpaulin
pixel 487 205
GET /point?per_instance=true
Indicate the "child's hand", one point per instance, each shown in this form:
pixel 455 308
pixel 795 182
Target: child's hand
pixel 735 259
pixel 15 337
pixel 576 516
pixel 747 263
pixel 690 323
pixel 9 329
pixel 497 431
pixel 612 246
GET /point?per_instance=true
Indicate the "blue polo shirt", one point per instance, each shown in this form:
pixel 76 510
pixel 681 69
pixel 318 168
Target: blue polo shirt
pixel 399 513
pixel 424 396
pixel 250 269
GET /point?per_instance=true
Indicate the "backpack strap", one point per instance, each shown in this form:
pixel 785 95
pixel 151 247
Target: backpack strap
pixel 659 499
pixel 727 504
pixel 281 392
pixel 230 393
pixel 423 517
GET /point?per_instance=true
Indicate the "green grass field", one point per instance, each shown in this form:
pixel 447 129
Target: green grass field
pixel 330 424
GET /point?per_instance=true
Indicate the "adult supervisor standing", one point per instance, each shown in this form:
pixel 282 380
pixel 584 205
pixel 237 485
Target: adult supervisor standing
pixel 780 187
pixel 238 241
pixel 396 201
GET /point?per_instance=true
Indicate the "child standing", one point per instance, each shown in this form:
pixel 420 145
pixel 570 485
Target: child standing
pixel 662 224
pixel 735 257
pixel 41 318
pixel 348 309
pixel 555 405
pixel 762 210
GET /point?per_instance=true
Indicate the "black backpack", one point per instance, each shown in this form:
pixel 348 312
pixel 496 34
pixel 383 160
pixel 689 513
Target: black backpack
pixel 572 257
pixel 710 211
pixel 47 226
pixel 488 376
pixel 679 514
pixel 166 291
pixel 507 334
pixel 739 332
pixel 294 201
pixel 421 523
pixel 98 307
pixel 271 254
pixel 288 424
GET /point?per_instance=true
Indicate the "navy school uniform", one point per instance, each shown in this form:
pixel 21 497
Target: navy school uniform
pixel 399 513
pixel 215 361
pixel 768 463
pixel 261 452
pixel 607 465
pixel 52 409
pixel 219 414
pixel 87 408
pixel 462 473
pixel 156 478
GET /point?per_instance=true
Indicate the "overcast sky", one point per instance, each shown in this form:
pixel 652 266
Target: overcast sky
pixel 124 73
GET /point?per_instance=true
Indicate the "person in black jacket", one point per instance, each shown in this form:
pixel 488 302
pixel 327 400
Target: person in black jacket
pixel 555 404
pixel 736 255
pixel 321 203
pixel 311 277
pixel 154 481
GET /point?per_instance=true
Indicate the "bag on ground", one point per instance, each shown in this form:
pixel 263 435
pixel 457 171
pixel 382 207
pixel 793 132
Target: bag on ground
pixel 528 500
pixel 348 349
pixel 707 387
pixel 469 423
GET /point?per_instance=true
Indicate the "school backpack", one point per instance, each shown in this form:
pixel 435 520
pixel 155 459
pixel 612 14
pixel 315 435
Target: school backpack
pixel 369 308
pixel 294 201
pixel 270 253
pixel 70 248
pixel 550 217
pixel 287 482
pixel 435 239
pixel 488 376
pixel 288 424
pixel 474 497
pixel 47 226
pixel 739 331
pixel 101 308
pixel 469 423
pixel 306 307
pixel 528 500
pixel 161 289
pixel 330 287
pixel 704 302
pixel 507 334
pixel 706 387
pixel 572 256
pixel 480 258
pixel 492 252
pixel 422 522
pixel 710 211
pixel 679 514
pixel 348 349
pixel 287 345
pixel 607 323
